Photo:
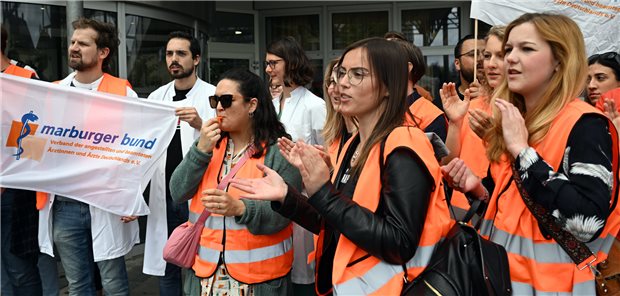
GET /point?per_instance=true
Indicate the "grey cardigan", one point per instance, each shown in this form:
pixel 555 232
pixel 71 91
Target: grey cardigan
pixel 258 217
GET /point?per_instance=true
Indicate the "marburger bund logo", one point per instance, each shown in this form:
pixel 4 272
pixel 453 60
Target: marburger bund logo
pixel 21 136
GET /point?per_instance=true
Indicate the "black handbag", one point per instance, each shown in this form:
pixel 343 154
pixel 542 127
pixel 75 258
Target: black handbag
pixel 463 264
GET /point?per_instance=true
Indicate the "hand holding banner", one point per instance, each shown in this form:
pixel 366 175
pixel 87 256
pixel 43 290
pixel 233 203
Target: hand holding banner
pixel 94 147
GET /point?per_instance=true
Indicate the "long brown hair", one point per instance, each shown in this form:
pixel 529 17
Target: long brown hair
pixel 567 45
pixel 388 66
pixel 334 124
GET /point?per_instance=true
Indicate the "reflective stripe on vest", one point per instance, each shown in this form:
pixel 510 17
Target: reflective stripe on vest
pixel 248 258
pixel 585 288
pixel 382 273
pixel 371 275
pixel 543 251
pixel 536 261
pixel 18 71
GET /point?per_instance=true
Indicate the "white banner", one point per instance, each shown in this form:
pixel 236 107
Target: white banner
pixel 95 147
pixel 598 19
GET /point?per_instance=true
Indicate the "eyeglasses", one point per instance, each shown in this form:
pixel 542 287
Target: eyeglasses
pixel 612 56
pixel 471 54
pixel 355 75
pixel 225 100
pixel 272 64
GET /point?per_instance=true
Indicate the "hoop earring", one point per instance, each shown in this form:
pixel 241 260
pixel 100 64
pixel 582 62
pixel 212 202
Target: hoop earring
pixel 251 114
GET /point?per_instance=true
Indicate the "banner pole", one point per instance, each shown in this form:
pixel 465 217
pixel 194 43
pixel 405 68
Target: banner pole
pixel 475 50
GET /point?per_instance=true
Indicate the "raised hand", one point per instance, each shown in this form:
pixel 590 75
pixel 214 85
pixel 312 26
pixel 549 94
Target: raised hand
pixel 220 202
pixel 454 108
pixel 209 135
pixel 270 187
pixel 612 112
pixel 513 127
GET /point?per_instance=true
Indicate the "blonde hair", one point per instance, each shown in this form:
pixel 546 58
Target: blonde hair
pixel 499 31
pixel 567 45
pixel 334 123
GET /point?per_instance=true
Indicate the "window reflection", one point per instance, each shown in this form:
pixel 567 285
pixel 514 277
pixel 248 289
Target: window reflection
pixel 219 66
pixel 432 27
pixel 439 69
pixel 106 17
pixel 146 47
pixel 36 37
pixel 316 86
pixel 305 28
pixel 350 27
pixel 233 27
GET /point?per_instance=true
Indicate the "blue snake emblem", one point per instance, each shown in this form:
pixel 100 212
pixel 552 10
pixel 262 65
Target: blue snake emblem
pixel 28 117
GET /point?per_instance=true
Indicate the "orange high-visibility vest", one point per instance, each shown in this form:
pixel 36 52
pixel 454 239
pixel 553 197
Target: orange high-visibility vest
pixel 371 275
pixel 423 92
pixel 248 258
pixel 109 84
pixel 473 153
pixel 537 264
pixel 425 112
pixel 18 71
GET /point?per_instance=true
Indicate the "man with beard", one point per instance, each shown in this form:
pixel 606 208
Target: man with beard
pixel 82 233
pixel 464 65
pixel 191 96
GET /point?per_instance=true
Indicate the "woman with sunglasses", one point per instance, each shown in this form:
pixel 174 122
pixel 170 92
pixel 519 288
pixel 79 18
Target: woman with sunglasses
pixel 384 207
pixel 303 115
pixel 245 247
pixel 603 76
pixel 553 163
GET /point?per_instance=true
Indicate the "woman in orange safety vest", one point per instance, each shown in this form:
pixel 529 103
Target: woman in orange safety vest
pixel 245 247
pixel 469 120
pixel 384 207
pixel 561 151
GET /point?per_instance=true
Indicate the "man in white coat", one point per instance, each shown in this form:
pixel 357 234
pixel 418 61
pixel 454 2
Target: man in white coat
pixel 81 232
pixel 190 95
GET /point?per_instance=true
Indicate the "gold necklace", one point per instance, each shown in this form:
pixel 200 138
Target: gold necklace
pixel 355 155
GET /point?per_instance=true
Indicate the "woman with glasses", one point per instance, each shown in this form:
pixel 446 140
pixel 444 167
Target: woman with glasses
pixel 603 75
pixel 553 163
pixel 245 248
pixel 303 115
pixel 384 206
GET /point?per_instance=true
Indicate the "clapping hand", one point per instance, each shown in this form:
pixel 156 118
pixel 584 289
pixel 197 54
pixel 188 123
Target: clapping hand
pixel 513 127
pixel 271 187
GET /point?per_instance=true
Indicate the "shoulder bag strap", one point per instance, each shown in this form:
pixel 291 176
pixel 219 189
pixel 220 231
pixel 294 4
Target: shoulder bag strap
pixel 577 250
pixel 224 183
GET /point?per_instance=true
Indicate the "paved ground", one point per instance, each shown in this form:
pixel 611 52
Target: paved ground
pixel 139 283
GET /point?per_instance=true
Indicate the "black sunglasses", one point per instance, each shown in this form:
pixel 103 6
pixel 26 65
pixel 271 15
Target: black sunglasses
pixel 612 56
pixel 225 100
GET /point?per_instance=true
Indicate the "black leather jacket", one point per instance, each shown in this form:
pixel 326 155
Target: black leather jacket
pixel 393 232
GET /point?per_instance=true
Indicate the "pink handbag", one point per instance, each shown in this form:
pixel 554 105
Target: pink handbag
pixel 182 245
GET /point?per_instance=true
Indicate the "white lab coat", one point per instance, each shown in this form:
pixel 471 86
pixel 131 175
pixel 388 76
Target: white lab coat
pixel 156 226
pixel 303 117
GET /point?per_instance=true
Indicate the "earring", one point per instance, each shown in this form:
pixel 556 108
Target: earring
pixel 251 114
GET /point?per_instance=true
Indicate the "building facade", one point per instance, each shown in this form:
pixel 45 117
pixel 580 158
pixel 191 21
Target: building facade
pixel 234 33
